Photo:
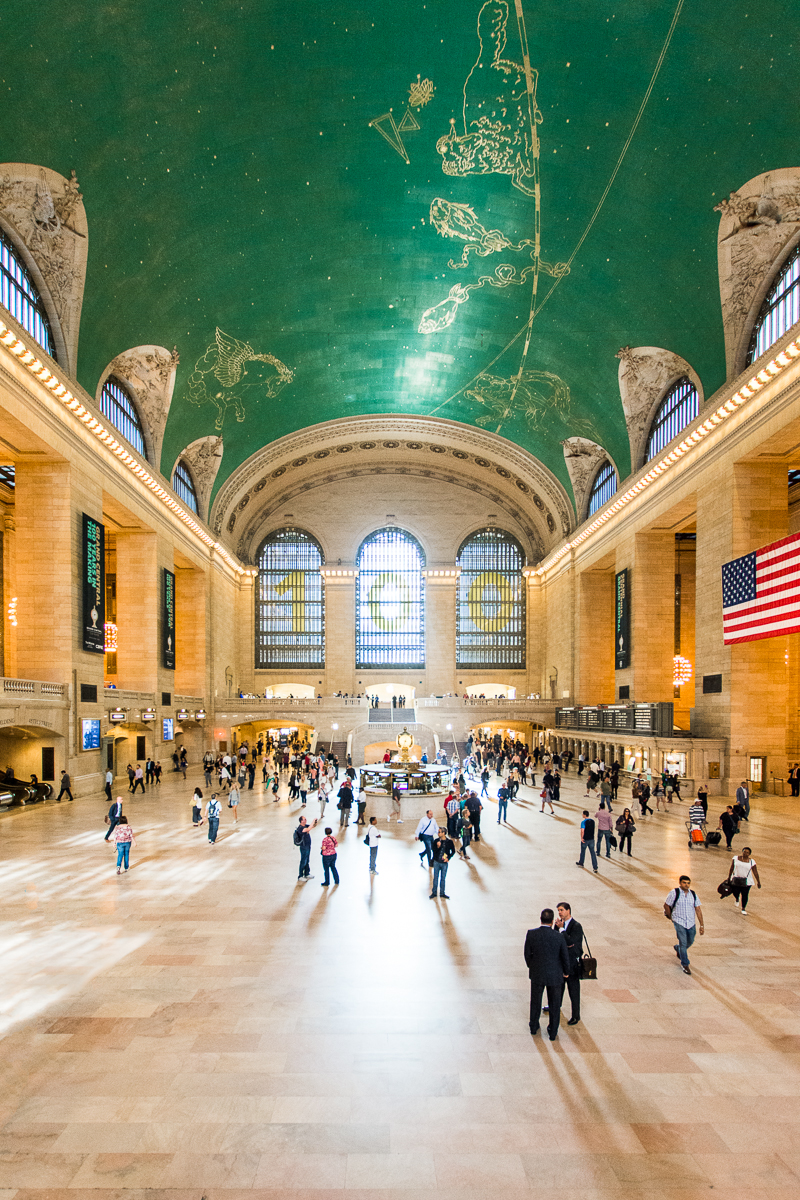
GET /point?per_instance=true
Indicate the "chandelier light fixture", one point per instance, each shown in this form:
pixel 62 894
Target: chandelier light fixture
pixel 681 670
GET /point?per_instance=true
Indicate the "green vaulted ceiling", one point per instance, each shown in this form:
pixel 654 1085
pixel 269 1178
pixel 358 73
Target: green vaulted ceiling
pixel 263 169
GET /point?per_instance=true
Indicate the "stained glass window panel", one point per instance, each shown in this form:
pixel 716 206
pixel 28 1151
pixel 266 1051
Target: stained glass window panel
pixel 390 601
pixel 290 603
pixel 490 627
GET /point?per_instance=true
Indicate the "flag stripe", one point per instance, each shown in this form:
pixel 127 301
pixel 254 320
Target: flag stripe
pixel 761 593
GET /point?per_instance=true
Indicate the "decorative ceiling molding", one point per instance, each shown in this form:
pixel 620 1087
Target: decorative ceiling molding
pixel 260 522
pixel 646 373
pixel 43 213
pixel 481 455
pixel 203 456
pixel 584 459
pixel 759 227
pixel 148 373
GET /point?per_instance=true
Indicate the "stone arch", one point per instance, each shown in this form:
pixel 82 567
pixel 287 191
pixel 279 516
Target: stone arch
pixel 148 374
pixel 646 373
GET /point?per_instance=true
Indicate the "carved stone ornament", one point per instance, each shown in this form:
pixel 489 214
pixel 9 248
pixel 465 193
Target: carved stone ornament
pixel 203 457
pixel 43 214
pixel 646 374
pixel 759 224
pixel 583 459
pixel 148 373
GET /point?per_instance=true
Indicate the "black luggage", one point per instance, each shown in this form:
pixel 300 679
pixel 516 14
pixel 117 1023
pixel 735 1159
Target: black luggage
pixel 714 838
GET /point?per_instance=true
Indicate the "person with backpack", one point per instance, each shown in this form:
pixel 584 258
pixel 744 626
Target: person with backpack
pixel 302 839
pixel 682 907
pixel 213 813
pixel 587 840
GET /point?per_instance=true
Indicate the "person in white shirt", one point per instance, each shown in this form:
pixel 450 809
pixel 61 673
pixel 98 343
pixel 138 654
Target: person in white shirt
pixel 372 842
pixel 427 830
pixel 741 875
pixel 681 907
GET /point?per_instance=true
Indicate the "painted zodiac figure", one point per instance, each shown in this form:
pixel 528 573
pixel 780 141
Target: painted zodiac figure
pixel 219 377
pixel 499 116
pixel 534 396
pixel 459 221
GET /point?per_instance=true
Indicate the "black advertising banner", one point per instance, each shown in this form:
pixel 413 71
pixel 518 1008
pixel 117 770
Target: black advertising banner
pixel 622 623
pixel 168 622
pixel 94 586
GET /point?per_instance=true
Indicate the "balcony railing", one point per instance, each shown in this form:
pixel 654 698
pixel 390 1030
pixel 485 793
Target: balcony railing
pixel 35 688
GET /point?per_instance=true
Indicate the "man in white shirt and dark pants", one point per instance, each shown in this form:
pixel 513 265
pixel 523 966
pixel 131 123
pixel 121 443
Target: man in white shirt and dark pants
pixel 427 830
pixel 682 907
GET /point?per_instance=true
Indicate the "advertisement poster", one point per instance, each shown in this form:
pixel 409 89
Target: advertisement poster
pixel 90 734
pixel 622 623
pixel 94 586
pixel 168 622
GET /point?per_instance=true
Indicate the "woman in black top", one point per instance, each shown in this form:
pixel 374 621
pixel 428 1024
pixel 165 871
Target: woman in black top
pixel 626 829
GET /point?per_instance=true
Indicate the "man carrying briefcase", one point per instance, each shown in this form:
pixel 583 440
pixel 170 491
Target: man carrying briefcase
pixel 572 932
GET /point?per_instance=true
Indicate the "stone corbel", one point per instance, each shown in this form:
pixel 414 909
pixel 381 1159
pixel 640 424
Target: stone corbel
pixel 43 214
pixel 148 373
pixel 646 373
pixel 759 228
pixel 584 459
pixel 203 457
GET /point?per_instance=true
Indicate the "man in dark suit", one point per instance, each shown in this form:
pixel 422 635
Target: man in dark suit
pixel 572 933
pixel 547 960
pixel 114 814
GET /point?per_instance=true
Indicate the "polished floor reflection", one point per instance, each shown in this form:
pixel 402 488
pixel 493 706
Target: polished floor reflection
pixel 206 1027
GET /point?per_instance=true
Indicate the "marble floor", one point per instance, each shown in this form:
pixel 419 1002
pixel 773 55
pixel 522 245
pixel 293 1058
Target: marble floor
pixel 206 1027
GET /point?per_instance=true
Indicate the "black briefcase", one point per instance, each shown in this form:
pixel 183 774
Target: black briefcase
pixel 587 966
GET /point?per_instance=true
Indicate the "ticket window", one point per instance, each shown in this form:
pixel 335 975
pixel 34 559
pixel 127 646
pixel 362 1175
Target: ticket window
pixel 758 773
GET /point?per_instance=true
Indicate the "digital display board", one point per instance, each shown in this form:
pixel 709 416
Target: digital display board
pixel 90 733
pixel 169 729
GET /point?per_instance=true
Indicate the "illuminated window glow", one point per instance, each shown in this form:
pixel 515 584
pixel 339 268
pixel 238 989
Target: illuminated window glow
pixel 780 310
pixel 603 488
pixel 390 601
pixel 20 297
pixel 183 485
pixel 490 627
pixel 116 404
pixel 290 608
pixel 677 410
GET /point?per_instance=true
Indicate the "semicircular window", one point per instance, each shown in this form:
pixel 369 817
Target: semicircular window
pixel 780 310
pixel 677 410
pixel 290 606
pixel 116 404
pixel 603 488
pixel 390 601
pixel 183 485
pixel 490 625
pixel 19 295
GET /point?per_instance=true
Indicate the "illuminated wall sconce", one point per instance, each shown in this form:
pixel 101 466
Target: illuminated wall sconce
pixel 12 611
pixel 111 638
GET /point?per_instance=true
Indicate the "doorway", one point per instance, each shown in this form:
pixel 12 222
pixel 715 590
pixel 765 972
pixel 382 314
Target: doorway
pixel 141 747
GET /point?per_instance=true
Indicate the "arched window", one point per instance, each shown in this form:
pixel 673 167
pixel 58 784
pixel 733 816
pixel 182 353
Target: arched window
pixel 290 610
pixel 603 488
pixel 677 410
pixel 183 485
pixel 116 404
pixel 20 297
pixel 490 626
pixel 780 310
pixel 390 601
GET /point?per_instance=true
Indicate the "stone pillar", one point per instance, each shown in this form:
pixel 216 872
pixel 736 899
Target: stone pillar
pixel 246 634
pixel 650 559
pixel 49 500
pixel 685 563
pixel 190 632
pixel 595 657
pixel 340 634
pixel 138 610
pixel 440 633
pixel 9 595
pixel 535 635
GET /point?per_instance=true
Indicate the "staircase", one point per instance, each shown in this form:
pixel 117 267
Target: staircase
pixel 392 716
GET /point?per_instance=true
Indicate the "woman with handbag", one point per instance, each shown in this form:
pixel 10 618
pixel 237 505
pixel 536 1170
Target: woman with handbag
pixel 626 829
pixel 197 807
pixel 741 875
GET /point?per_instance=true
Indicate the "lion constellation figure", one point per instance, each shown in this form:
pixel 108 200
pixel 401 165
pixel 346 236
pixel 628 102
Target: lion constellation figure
pixel 499 136
pixel 220 377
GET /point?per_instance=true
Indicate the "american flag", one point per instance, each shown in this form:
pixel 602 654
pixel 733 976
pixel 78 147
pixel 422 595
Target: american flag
pixel 761 593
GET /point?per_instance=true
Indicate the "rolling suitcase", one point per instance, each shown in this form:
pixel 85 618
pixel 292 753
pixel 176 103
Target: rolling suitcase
pixel 714 838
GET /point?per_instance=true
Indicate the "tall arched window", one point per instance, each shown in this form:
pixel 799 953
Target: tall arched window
pixel 290 609
pixel 780 310
pixel 603 488
pixel 183 485
pixel 677 410
pixel 490 627
pixel 116 404
pixel 20 297
pixel 390 601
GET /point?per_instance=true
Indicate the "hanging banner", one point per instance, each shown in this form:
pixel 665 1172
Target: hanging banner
pixel 622 623
pixel 168 622
pixel 93 613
